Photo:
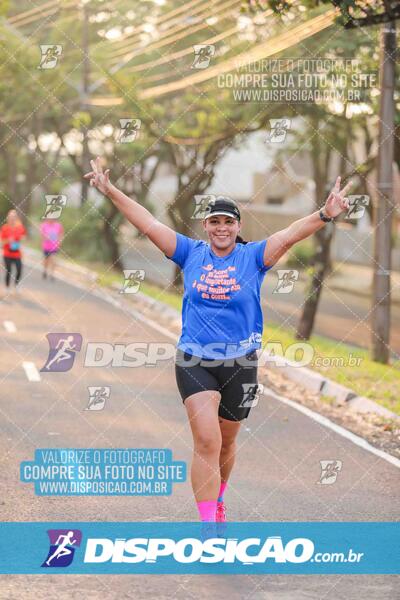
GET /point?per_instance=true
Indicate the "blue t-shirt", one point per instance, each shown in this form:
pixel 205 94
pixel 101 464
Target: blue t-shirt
pixel 221 310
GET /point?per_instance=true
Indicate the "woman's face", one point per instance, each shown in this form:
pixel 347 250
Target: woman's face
pixel 12 217
pixel 221 230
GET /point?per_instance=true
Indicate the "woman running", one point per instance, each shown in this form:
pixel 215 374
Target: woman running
pixel 222 323
pixel 51 232
pixel 11 235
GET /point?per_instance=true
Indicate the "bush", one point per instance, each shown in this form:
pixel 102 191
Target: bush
pixel 84 237
pixel 83 233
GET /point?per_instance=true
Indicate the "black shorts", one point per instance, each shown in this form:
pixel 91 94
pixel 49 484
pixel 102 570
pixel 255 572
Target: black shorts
pixel 48 253
pixel 236 380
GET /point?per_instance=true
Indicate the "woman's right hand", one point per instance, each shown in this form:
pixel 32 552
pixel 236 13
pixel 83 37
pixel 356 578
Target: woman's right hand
pixel 98 178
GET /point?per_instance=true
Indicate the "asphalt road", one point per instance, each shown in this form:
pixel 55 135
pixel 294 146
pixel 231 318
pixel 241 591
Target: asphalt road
pixel 275 478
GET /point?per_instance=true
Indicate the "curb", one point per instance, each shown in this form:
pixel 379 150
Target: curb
pixel 311 380
pixel 317 383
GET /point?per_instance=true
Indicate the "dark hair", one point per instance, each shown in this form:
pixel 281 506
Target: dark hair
pixel 240 240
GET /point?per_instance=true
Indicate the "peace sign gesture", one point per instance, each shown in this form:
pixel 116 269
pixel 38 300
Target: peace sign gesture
pixel 98 178
pixel 337 201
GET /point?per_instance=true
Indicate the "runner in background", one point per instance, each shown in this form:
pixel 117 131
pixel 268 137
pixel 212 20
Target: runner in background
pixel 11 234
pixel 52 232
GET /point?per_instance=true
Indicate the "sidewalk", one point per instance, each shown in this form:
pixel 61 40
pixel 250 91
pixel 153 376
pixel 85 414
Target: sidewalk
pixel 355 279
pixel 358 280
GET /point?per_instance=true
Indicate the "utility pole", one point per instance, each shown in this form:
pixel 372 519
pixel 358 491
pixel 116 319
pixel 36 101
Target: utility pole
pixel 385 202
pixel 84 104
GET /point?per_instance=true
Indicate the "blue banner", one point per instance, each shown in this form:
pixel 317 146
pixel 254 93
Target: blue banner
pixel 200 548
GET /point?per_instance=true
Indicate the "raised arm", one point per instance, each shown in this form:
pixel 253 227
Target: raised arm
pixel 281 241
pixel 161 235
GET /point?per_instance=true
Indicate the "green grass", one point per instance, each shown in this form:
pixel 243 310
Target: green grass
pixel 170 298
pixel 369 378
pixel 331 400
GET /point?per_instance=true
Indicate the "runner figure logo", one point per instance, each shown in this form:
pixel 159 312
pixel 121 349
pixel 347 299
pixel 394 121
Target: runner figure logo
pixel 97 397
pixel 129 130
pixel 251 394
pixel 329 471
pixel 133 279
pixel 54 205
pixel 202 55
pixel 63 543
pixel 63 347
pixel 279 129
pixel 50 55
pixel 357 205
pixel 202 204
pixel 286 280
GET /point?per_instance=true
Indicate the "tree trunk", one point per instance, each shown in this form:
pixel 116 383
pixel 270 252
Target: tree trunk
pixel 111 237
pixel 385 205
pixel 322 241
pixel 179 225
pixel 323 238
pixel 193 178
pixel 30 182
pixel 85 86
pixel 12 176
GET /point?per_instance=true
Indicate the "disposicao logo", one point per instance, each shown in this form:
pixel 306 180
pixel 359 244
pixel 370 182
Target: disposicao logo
pixel 63 543
pixel 190 550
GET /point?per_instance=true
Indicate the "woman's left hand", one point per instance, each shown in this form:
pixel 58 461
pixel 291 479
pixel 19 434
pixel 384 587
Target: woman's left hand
pixel 337 201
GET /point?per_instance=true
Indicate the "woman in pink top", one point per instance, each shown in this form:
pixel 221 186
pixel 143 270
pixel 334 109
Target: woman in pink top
pixel 52 232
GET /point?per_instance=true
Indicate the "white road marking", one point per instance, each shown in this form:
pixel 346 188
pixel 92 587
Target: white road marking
pixel 9 326
pixel 358 441
pixel 31 371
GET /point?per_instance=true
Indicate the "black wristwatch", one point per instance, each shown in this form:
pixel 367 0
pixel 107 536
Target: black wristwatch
pixel 324 218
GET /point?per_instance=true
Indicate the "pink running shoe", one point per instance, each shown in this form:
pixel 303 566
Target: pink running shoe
pixel 221 513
